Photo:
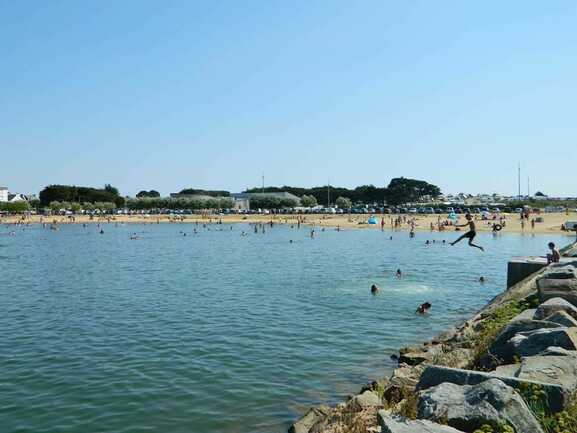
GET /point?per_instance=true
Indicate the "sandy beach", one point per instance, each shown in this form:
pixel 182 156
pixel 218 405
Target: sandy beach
pixel 551 221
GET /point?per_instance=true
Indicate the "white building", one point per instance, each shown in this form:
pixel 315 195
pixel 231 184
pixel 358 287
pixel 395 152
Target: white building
pixel 3 194
pixel 16 197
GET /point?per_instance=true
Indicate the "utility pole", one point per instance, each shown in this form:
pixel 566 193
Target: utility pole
pixel 519 180
pixel 263 182
pixel 328 193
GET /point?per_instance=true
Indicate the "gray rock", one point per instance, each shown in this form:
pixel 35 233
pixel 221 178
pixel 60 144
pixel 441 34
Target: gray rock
pixel 558 395
pixel 456 358
pixel 501 348
pixel 446 335
pixel 561 370
pixel 309 419
pixel 524 315
pixel 509 370
pixel 364 401
pixel 553 305
pixel 417 357
pixel 403 380
pixel 558 351
pixel 563 319
pixel 468 407
pixel 534 342
pixel 565 288
pixel 396 424
pixel 560 272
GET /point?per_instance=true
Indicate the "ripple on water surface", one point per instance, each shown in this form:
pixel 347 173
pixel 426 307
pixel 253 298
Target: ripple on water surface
pixel 216 332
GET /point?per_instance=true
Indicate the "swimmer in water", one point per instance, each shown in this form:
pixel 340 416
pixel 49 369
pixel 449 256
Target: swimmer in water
pixel 481 280
pixel 374 289
pixel 423 308
pixel 399 274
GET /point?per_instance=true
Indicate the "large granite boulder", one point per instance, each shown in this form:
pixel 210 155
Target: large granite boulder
pixel 552 306
pixel 501 349
pixel 534 342
pixel 524 315
pixel 364 401
pixel 396 424
pixel 561 370
pixel 558 396
pixel 469 407
pixel 560 272
pixel 565 288
pixel 313 417
pixel 563 319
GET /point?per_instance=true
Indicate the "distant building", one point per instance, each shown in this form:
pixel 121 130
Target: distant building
pixel 281 194
pixel 3 194
pixel 194 196
pixel 12 198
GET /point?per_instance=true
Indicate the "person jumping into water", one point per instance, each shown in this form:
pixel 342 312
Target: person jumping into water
pixel 470 234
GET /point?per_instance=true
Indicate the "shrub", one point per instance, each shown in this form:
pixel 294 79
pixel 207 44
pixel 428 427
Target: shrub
pixel 492 326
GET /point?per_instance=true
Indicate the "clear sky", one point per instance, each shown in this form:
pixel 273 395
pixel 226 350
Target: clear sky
pixel 171 94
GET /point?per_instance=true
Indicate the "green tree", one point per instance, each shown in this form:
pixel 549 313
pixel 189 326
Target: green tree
pixel 81 194
pixel 15 206
pixel 151 193
pixel 110 189
pixel 308 201
pixel 271 202
pixel 402 190
pixel 34 203
pixel 55 206
pixel 212 193
pixel 344 203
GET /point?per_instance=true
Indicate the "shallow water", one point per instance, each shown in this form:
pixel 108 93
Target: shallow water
pixel 216 332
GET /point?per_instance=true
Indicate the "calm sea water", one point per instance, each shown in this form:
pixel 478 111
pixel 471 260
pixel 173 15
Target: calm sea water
pixel 216 332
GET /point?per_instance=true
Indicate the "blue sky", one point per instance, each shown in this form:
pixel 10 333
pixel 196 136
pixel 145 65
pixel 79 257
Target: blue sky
pixel 171 94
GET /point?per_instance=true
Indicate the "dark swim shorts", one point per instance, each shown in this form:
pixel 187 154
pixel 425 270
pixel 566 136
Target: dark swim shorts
pixel 470 234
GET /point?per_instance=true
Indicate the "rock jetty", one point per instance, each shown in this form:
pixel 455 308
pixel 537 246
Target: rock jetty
pixel 512 368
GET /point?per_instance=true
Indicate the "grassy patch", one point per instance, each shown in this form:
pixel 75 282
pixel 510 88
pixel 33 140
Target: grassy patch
pixel 492 325
pixel 502 428
pixel 408 407
pixel 559 422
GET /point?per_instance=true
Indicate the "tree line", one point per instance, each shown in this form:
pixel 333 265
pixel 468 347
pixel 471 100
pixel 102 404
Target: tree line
pixel 80 194
pixel 178 203
pixel 400 190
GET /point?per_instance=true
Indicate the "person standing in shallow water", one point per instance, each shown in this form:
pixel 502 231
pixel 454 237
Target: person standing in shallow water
pixel 470 234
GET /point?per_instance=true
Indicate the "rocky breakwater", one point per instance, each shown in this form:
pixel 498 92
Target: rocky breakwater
pixel 512 368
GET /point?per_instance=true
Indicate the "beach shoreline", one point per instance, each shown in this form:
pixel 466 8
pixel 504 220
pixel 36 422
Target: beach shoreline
pixel 551 222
